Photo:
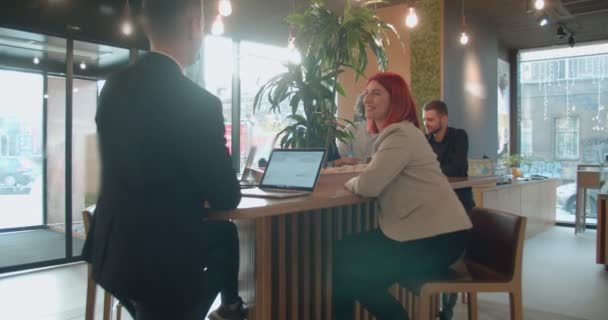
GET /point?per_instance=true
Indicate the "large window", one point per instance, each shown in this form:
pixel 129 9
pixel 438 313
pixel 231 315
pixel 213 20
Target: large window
pixel 563 116
pixel 21 103
pixel 258 63
pixel 40 152
pixel 255 64
pixel 218 65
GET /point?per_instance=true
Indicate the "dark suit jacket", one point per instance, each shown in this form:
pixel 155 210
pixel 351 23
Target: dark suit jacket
pixel 163 154
pixel 454 162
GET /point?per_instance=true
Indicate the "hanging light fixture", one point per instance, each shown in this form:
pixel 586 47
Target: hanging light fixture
pixel 464 37
pixel 539 4
pixel 411 20
pixel 217 28
pixel 225 8
pixel 83 65
pixel 543 20
pixel 126 27
pixel 36 60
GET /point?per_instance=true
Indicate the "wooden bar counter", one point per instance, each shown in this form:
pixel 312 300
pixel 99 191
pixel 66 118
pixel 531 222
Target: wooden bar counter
pixel 286 247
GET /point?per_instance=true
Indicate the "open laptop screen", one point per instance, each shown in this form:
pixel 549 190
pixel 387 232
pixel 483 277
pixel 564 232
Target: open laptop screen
pixel 293 169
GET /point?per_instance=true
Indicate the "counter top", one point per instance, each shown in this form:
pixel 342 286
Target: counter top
pixel 329 193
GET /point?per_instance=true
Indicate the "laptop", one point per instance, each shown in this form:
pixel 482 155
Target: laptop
pixel 247 170
pixel 289 173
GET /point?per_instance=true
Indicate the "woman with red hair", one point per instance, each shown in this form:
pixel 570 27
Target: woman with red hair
pixel 423 226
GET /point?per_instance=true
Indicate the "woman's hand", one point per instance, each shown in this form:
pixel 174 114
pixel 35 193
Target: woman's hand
pixel 347 162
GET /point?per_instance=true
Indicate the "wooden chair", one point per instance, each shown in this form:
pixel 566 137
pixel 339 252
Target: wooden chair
pixel 108 300
pixel 494 261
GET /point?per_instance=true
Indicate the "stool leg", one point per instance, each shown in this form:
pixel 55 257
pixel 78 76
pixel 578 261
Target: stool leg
pixel 119 312
pixel 516 305
pixel 424 306
pixel 472 306
pixel 107 306
pixel 91 294
pixel 117 307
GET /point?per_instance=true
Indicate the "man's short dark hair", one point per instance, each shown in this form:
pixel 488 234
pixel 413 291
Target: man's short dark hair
pixel 439 106
pixel 161 17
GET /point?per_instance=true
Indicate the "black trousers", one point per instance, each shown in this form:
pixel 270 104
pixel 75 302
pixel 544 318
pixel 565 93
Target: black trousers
pixel 366 264
pixel 219 246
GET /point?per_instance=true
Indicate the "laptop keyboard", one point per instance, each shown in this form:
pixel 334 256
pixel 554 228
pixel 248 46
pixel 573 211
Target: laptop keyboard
pixel 280 190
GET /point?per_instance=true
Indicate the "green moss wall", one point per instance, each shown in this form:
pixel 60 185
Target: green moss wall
pixel 425 41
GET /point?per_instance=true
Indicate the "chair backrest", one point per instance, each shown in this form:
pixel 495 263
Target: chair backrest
pixel 87 216
pixel 496 241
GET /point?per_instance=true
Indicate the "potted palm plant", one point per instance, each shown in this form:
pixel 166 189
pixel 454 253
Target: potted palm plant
pixel 331 42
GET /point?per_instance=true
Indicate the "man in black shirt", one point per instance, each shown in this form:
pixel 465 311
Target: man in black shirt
pixel 451 146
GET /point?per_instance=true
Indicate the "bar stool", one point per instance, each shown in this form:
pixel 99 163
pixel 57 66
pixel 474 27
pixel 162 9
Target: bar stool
pixel 108 301
pixel 493 260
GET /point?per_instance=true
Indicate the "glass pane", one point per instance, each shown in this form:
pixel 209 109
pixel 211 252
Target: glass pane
pixel 92 64
pixel 258 63
pixel 564 120
pixel 55 152
pixel 27 225
pixel 217 75
pixel 504 106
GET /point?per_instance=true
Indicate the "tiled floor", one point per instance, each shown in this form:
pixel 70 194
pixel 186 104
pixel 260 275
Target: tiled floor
pixel 560 276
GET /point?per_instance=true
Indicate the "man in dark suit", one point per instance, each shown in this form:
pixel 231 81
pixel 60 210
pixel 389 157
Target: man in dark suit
pixel 452 147
pixel 163 157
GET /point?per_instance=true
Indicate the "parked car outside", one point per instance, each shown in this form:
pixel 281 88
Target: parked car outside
pixel 566 199
pixel 15 172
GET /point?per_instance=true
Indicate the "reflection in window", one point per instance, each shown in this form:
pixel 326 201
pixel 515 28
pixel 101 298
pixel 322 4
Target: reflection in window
pixel 258 63
pixel 566 138
pixel 217 75
pixel 21 97
pixel 526 137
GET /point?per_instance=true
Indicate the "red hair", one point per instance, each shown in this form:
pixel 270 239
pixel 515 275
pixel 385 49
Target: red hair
pixel 402 106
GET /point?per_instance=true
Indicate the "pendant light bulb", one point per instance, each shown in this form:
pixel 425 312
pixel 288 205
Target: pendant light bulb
pixel 539 4
pixel 218 26
pixel 83 65
pixel 464 38
pixel 36 60
pixel 411 20
pixel 126 28
pixel 225 8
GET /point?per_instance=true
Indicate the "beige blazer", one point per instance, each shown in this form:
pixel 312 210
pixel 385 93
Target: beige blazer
pixel 415 199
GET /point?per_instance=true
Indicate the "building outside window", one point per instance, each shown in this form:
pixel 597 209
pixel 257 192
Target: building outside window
pixel 526 137
pixel 566 138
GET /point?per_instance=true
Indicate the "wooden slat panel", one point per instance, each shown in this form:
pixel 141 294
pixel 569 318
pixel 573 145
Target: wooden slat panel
pixel 374 209
pixel 403 298
pixel 602 230
pixel 349 221
pixel 306 266
pixel 282 267
pixel 294 304
pixel 263 270
pixel 339 227
pixel 368 216
pixel 318 256
pixel 330 230
pixel 358 212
